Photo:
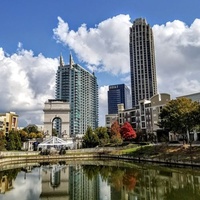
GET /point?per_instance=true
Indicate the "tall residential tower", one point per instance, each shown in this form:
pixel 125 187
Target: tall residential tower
pixel 79 87
pixel 142 61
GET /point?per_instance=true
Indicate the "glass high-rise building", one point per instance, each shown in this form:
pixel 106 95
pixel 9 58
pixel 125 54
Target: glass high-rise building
pixel 142 61
pixel 118 94
pixel 79 87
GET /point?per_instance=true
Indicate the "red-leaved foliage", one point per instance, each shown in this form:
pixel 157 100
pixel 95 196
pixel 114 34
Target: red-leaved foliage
pixel 127 131
pixel 129 181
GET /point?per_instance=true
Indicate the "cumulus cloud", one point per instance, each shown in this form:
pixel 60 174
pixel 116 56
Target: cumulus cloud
pixel 177 55
pixel 26 81
pixel 105 47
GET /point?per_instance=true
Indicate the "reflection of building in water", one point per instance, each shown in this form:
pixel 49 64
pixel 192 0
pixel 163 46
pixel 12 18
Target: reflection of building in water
pixel 68 182
pixel 85 183
pixel 5 184
pixel 55 182
pixel 105 189
pixel 155 184
pixel 72 182
pixel 81 186
pixel 55 177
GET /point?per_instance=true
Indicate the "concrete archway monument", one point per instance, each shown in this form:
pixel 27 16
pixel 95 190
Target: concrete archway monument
pixel 56 109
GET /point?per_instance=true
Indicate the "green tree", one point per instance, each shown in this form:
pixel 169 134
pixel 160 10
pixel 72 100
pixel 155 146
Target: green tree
pixel 23 135
pixel 90 139
pixel 2 141
pixel 115 136
pixel 40 135
pixel 13 141
pixel 32 135
pixel 31 129
pixel 179 116
pixel 10 145
pixel 102 134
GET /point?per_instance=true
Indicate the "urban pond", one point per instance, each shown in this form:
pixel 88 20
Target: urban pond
pixel 98 180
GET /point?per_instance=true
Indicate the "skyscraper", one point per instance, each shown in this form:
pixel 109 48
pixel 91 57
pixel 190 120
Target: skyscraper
pixel 142 61
pixel 118 94
pixel 78 87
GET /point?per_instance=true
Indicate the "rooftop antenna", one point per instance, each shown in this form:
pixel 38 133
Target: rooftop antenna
pixel 61 61
pixel 71 61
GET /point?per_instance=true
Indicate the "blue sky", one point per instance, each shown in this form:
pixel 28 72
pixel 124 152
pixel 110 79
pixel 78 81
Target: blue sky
pixel 31 22
pixel 34 33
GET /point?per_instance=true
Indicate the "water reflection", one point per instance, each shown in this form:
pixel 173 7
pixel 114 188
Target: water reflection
pixel 7 178
pixel 25 184
pixel 99 181
pixel 55 181
pixel 118 177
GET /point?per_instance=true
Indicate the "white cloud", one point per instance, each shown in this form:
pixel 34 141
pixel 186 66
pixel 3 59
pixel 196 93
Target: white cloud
pixel 105 46
pixel 177 55
pixel 27 81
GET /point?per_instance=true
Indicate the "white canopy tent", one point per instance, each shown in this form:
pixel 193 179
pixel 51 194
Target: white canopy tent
pixel 55 142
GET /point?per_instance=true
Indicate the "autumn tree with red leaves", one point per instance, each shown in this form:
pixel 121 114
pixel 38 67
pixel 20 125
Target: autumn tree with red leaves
pixel 127 132
pixel 115 136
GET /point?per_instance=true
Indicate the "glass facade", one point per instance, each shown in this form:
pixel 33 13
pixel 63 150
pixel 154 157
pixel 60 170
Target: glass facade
pixel 78 87
pixel 118 94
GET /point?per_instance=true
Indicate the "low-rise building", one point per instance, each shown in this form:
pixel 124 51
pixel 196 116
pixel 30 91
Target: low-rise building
pixel 144 118
pixel 193 97
pixel 8 122
pixel 110 119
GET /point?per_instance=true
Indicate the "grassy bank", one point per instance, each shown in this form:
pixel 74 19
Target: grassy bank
pixel 181 153
pixel 163 152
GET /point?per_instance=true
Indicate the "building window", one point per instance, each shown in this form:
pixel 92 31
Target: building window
pixel 143 124
pixel 142 118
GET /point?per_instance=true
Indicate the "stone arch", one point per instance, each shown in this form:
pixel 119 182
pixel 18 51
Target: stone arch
pixel 56 109
pixel 57 121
